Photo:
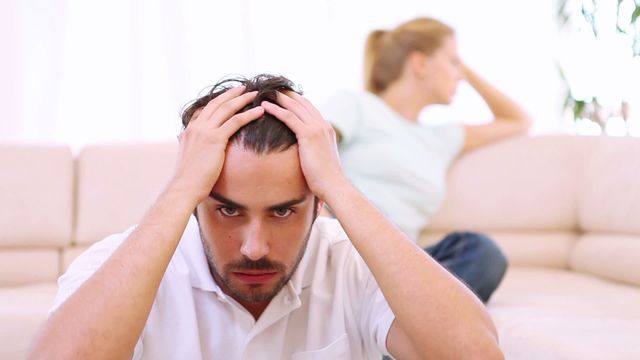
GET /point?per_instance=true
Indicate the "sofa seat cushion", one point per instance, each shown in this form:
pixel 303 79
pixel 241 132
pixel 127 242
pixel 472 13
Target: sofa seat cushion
pixel 556 314
pixel 22 310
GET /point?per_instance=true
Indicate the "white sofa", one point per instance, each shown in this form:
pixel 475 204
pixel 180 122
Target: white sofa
pixel 566 211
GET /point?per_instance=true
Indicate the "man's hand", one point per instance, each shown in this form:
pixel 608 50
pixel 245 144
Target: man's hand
pixel 316 141
pixel 203 142
pixel 435 314
pixel 104 317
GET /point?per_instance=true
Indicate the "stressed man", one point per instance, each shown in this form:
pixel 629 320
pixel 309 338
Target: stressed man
pixel 230 262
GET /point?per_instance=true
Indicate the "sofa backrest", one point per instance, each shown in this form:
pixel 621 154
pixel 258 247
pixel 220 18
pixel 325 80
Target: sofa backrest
pixel 117 184
pixel 560 201
pixel 553 201
pixel 36 219
pixel 609 212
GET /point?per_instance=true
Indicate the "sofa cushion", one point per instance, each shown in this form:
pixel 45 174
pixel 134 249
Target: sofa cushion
pixel 615 257
pixel 36 189
pixel 22 312
pixel 518 184
pixel 609 191
pixel 25 266
pixel 555 314
pixel 117 184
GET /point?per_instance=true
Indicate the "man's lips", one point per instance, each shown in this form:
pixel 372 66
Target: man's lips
pixel 254 277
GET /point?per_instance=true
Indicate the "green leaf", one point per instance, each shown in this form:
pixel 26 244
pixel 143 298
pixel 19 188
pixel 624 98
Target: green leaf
pixel 563 14
pixel 568 101
pixel 578 108
pixel 635 14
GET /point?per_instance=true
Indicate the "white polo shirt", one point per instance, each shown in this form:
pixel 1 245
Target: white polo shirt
pixel 332 308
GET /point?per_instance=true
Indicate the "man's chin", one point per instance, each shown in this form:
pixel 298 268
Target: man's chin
pixel 255 294
pixel 252 292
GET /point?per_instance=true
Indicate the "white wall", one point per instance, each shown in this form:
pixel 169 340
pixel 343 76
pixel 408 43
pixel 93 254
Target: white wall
pixel 82 71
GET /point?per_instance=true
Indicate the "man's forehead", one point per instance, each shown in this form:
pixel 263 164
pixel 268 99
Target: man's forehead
pixel 261 179
pixel 240 158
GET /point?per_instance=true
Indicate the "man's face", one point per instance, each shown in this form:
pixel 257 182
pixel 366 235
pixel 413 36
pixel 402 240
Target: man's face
pixel 256 223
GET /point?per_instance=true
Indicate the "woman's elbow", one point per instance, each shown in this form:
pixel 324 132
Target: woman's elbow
pixel 526 122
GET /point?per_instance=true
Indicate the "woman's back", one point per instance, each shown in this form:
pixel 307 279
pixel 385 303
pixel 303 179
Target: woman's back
pixel 398 164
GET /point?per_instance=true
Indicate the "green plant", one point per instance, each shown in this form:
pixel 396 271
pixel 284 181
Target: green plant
pixel 626 25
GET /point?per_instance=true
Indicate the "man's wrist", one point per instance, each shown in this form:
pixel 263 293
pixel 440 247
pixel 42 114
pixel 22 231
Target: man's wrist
pixel 340 188
pixel 182 195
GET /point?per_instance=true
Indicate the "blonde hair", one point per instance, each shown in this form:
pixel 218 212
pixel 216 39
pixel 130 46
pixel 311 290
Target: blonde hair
pixel 386 51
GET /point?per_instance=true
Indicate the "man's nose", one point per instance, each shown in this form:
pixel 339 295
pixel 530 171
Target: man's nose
pixel 255 245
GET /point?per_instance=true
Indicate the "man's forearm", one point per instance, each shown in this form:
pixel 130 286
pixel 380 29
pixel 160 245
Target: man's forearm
pixel 106 315
pixel 437 312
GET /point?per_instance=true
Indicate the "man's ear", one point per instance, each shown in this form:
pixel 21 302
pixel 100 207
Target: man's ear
pixel 322 210
pixel 319 207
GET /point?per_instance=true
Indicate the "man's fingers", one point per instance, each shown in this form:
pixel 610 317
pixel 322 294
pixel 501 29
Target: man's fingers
pixel 284 115
pixel 237 121
pixel 306 103
pixel 215 103
pixel 294 106
pixel 231 107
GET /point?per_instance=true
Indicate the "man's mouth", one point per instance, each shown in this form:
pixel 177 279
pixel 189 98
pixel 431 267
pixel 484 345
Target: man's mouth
pixel 254 277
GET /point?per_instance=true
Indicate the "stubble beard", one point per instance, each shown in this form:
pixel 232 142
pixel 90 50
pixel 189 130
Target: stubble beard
pixel 255 294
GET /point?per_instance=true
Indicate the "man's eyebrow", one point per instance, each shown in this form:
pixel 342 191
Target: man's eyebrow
pixel 226 201
pixel 234 204
pixel 287 204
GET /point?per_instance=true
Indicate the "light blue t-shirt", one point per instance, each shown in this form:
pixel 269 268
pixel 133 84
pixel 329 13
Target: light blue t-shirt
pixel 400 165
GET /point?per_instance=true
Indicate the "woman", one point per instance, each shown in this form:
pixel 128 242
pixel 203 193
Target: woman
pixel 400 164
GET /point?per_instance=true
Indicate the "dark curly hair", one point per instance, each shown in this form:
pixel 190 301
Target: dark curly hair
pixel 263 135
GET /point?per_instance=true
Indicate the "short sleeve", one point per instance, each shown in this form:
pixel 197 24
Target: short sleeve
pixel 342 111
pixel 378 316
pixel 84 266
pixel 373 311
pixel 451 138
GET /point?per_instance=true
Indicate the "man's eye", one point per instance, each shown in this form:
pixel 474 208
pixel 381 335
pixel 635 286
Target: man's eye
pixel 283 212
pixel 228 211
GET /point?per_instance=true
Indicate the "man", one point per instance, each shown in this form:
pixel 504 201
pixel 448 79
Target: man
pixel 253 275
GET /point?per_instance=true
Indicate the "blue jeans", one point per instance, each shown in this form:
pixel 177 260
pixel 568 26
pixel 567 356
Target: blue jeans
pixel 473 258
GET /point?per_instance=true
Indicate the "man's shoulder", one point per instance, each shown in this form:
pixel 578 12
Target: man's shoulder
pixel 99 251
pixel 330 246
pixel 328 231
